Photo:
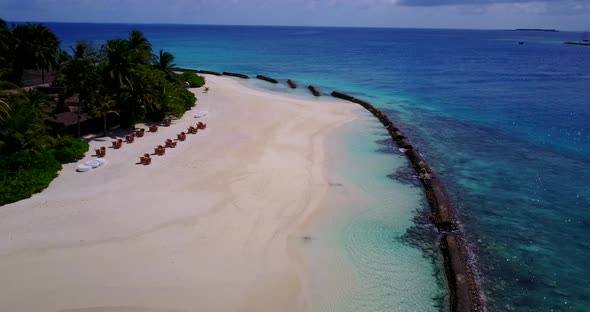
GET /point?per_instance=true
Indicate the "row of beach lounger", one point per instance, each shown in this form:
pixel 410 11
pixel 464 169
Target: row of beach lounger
pixel 130 138
pixel 169 143
pixel 146 158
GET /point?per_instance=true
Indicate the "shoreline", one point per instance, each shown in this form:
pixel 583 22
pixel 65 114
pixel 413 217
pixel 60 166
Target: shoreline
pixel 464 292
pixel 464 289
pixel 206 225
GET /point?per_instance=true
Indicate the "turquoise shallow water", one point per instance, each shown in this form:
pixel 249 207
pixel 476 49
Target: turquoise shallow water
pixel 357 258
pixel 504 125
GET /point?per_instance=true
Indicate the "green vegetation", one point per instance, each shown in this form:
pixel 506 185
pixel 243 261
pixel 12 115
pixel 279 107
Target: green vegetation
pixel 29 46
pixel 29 156
pixel 26 172
pixel 165 63
pixel 121 78
pixel 193 79
pixel 7 85
pixel 69 149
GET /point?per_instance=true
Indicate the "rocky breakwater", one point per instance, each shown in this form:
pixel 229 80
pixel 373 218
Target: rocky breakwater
pixel 464 290
pixel 209 72
pixel 235 75
pixel 314 90
pixel 292 84
pixel 271 80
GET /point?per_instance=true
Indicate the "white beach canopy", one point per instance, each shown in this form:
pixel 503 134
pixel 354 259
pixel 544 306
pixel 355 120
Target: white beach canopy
pixel 83 168
pixel 201 114
pixel 92 163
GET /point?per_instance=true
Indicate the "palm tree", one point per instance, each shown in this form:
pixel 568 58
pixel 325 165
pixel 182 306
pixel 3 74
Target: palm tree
pixel 117 66
pixel 3 25
pixel 125 75
pixel 80 76
pixel 36 46
pixel 140 49
pixel 4 111
pixel 5 37
pixel 165 63
pixel 6 52
pixel 5 46
pixel 103 107
pixel 138 96
pixel 24 126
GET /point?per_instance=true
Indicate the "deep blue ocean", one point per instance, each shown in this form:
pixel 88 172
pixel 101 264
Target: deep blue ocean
pixel 505 126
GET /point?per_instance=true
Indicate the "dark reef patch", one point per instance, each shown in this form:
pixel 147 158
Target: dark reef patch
pixel 405 175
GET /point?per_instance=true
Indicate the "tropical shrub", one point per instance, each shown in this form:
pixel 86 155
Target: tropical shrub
pixel 7 85
pixel 188 98
pixel 26 172
pixel 69 149
pixel 193 79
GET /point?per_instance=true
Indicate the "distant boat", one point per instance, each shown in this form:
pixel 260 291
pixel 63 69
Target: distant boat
pixel 583 42
pixel 521 42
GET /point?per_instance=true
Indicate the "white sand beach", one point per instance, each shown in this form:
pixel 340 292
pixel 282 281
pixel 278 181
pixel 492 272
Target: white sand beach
pixel 203 228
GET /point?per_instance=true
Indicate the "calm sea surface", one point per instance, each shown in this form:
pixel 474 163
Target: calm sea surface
pixel 506 126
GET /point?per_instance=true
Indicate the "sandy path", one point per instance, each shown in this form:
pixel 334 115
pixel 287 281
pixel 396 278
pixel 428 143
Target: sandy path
pixel 203 228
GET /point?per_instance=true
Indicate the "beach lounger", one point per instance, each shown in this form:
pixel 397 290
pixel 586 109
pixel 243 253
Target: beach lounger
pixel 117 144
pixel 145 159
pixel 160 150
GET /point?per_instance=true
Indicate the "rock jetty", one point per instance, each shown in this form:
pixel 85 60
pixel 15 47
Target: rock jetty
pixel 314 90
pixel 271 80
pixel 235 75
pixel 465 295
